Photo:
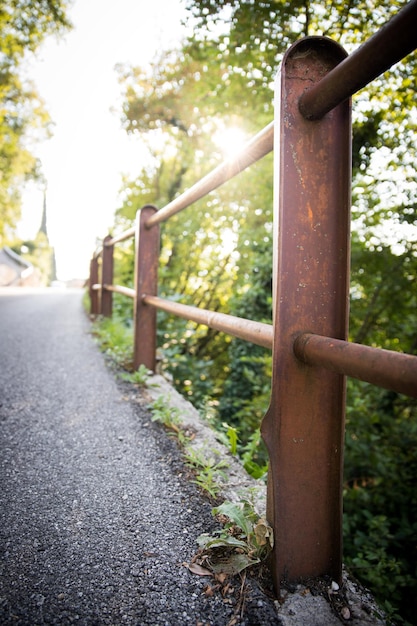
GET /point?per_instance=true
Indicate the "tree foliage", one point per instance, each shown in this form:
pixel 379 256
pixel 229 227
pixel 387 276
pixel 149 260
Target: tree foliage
pixel 24 24
pixel 380 503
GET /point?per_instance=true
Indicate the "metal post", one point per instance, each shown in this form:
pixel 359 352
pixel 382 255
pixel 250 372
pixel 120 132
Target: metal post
pixel 107 278
pixel 94 295
pixel 146 283
pixel 303 428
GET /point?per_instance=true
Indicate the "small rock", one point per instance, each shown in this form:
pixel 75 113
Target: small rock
pixel 345 613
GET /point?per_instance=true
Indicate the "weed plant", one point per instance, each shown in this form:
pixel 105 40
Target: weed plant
pixel 115 340
pixel 140 377
pixel 209 470
pixel 244 540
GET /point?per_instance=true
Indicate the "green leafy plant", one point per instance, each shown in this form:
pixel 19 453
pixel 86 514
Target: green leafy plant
pixel 253 462
pixel 114 339
pixel 169 416
pixel 208 469
pixel 164 413
pixel 229 437
pixel 248 453
pixel 140 377
pixel 245 539
pixel 231 434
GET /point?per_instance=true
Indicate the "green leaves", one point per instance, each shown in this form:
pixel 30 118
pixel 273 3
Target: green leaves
pixel 140 377
pixel 244 541
pixel 25 24
pixel 164 413
pixel 380 503
pixel 208 469
pixel 231 434
pixel 115 339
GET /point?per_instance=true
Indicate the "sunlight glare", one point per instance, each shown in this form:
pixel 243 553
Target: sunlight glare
pixel 230 140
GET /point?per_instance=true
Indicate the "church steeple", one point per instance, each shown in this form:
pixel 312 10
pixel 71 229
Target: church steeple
pixel 43 228
pixel 44 247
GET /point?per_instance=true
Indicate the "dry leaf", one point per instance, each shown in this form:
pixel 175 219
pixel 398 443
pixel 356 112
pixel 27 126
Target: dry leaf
pixel 220 577
pixel 195 568
pixel 208 591
pixel 264 533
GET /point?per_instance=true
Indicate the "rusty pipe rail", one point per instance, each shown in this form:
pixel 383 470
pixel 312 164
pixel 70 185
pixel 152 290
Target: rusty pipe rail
pixel 127 234
pixel 391 370
pixel 388 46
pixel 125 291
pixel 256 332
pixel 259 146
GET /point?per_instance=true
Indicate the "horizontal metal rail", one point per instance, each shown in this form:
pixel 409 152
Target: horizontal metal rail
pixel 388 46
pixel 256 332
pixel 125 291
pixel 391 370
pixel 260 145
pixel 127 234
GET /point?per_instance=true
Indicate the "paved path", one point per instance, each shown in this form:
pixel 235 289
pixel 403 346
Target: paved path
pixel 96 515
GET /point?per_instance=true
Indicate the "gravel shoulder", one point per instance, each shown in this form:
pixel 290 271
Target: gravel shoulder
pixel 97 514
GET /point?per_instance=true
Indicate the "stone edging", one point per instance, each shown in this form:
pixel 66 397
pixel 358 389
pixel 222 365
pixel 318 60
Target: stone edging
pixel 302 605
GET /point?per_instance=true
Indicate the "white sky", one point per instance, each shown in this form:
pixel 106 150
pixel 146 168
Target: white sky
pixel 84 160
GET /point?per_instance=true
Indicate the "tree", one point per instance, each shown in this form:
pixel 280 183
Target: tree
pixel 23 26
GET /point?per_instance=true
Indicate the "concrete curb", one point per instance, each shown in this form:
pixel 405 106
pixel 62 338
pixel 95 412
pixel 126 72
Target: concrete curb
pixel 302 605
pixel 239 483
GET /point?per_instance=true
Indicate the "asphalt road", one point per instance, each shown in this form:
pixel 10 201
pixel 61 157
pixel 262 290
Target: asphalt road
pixel 97 515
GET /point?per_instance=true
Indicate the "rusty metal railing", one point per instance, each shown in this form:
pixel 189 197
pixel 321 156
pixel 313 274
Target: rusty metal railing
pixel 304 425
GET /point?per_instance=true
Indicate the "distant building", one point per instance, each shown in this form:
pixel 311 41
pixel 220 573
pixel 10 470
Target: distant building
pixel 15 271
pixel 36 267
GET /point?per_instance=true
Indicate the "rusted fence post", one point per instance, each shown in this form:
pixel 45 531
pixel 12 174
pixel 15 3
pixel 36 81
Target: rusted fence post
pixel 107 278
pixel 303 428
pixel 146 283
pixel 94 295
